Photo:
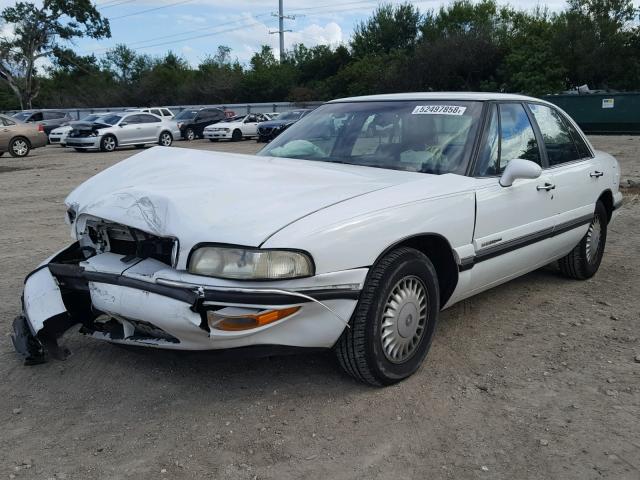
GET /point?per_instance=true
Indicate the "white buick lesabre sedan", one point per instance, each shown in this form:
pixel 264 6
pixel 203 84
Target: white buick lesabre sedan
pixel 350 231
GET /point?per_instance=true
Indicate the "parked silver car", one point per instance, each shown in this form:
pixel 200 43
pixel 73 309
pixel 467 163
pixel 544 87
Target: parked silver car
pixel 122 129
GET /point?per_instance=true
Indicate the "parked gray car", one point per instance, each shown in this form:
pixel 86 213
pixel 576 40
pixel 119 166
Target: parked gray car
pixel 122 129
pixel 49 119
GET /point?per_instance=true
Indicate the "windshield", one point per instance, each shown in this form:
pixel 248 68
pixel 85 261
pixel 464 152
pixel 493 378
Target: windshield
pixel 110 119
pixel 22 116
pixel 424 136
pixel 237 118
pixel 186 115
pixel 91 118
pixel 292 115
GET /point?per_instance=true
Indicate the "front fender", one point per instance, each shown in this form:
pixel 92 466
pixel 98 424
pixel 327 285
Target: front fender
pixel 354 234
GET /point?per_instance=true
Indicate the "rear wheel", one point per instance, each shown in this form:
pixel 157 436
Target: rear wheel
pixel 190 134
pixel 584 260
pixel 19 147
pixel 108 143
pixel 236 136
pixel 392 327
pixel 166 139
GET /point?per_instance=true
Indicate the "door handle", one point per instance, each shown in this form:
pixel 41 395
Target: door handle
pixel 547 186
pixel 596 174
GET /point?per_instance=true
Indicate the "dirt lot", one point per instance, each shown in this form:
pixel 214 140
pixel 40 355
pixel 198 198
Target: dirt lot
pixel 535 379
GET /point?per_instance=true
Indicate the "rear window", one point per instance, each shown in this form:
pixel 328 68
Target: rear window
pixel 187 115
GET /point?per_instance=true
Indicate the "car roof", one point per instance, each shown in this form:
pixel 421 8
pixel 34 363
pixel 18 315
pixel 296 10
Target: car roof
pixel 468 96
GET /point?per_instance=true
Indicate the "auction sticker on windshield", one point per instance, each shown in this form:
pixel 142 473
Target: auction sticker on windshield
pixel 439 110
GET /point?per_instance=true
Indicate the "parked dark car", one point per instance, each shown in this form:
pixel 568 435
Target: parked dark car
pixel 267 131
pixel 192 121
pixel 49 119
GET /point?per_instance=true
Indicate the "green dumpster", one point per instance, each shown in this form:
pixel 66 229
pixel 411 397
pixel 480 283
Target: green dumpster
pixel 602 112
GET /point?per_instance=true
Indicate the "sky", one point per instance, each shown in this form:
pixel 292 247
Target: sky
pixel 195 28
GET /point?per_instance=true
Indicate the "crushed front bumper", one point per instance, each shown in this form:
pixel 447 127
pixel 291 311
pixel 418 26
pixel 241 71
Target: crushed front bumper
pixel 83 142
pixel 145 302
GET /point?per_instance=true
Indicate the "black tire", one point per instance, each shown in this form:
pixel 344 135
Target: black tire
pixel 165 139
pixel 236 136
pixel 583 261
pixel 213 139
pixel 360 349
pixel 108 143
pixel 19 147
pixel 189 134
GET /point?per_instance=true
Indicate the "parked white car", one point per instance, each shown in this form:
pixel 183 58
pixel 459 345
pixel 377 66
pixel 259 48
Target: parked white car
pixel 59 135
pixel 330 237
pixel 161 112
pixel 235 128
pixel 121 129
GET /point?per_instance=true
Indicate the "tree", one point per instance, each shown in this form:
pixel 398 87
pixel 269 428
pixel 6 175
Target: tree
pixel 390 28
pixel 38 32
pixel 125 64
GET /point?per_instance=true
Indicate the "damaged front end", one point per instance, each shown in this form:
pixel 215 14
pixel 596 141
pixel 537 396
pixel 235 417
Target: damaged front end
pixel 58 294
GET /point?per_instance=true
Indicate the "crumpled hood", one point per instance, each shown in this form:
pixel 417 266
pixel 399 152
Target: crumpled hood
pixel 199 196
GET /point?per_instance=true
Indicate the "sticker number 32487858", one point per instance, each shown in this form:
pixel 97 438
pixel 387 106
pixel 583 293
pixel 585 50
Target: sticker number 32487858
pixel 439 110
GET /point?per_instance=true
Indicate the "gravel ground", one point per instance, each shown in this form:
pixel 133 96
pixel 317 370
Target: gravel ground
pixel 535 379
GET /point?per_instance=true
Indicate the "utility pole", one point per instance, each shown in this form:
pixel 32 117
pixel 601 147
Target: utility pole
pixel 281 17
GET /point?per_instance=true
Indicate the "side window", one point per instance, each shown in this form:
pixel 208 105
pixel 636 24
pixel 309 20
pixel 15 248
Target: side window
pixel 7 122
pixel 251 119
pixel 517 139
pixel 155 111
pixel 36 117
pixel 487 164
pixel 145 118
pixel 557 138
pixel 581 145
pixel 166 112
pixel 131 119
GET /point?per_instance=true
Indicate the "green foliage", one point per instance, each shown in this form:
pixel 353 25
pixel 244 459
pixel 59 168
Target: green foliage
pixel 390 28
pixel 37 33
pixel 464 45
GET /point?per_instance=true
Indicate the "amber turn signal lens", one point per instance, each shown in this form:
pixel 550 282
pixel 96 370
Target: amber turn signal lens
pixel 247 322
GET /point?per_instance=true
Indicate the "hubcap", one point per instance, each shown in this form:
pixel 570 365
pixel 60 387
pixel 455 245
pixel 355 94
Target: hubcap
pixel 593 239
pixel 190 135
pixel 166 140
pixel 109 143
pixel 20 147
pixel 404 319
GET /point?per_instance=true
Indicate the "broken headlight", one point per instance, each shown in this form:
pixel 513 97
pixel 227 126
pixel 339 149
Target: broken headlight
pixel 250 264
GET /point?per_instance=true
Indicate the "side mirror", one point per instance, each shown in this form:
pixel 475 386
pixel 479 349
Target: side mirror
pixel 124 124
pixel 519 168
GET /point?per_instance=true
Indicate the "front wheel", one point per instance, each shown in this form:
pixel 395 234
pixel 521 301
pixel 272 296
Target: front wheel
pixel 108 143
pixel 584 260
pixel 19 147
pixel 190 134
pixel 166 139
pixel 392 327
pixel 236 136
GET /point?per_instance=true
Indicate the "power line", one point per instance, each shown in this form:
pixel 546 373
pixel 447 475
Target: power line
pixel 114 4
pixel 140 12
